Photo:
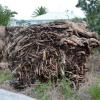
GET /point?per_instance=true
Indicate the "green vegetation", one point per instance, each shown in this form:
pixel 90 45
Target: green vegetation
pixel 40 11
pixel 5 15
pixel 67 91
pixel 77 19
pixel 94 91
pixel 4 75
pixel 41 89
pixel 63 87
pixel 92 12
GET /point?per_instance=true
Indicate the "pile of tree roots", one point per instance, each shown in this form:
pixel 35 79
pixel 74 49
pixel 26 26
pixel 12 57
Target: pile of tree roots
pixel 2 46
pixel 49 52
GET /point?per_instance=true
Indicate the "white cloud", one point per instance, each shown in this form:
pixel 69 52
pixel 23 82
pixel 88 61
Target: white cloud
pixel 25 8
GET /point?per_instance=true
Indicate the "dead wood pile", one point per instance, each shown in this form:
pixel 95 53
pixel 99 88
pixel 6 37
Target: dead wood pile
pixel 2 45
pixel 48 52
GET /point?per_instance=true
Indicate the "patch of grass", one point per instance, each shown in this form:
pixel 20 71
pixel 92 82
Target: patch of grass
pixel 98 80
pixel 67 91
pixel 4 75
pixel 95 92
pixel 42 90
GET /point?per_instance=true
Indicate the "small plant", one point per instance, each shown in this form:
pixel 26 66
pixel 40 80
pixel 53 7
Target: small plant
pixel 95 92
pixel 5 75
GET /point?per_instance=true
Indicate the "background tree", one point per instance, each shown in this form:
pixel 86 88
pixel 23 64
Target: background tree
pixel 5 15
pixel 92 12
pixel 77 19
pixel 40 11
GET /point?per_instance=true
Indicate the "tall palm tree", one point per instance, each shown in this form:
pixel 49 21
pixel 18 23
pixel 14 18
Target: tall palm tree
pixel 40 11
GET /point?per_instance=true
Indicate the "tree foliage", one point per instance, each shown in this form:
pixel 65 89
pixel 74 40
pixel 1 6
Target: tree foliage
pixel 40 11
pixel 92 12
pixel 77 19
pixel 5 15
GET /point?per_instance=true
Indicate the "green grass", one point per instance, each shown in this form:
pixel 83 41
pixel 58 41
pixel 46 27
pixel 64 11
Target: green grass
pixel 67 91
pixel 42 90
pixel 63 87
pixel 4 75
pixel 94 91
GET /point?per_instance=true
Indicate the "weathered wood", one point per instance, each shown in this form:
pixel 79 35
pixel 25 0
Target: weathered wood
pixel 48 52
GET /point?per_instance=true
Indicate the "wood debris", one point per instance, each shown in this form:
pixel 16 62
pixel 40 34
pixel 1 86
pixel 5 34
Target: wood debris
pixel 48 52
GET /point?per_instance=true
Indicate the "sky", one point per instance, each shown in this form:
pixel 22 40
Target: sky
pixel 25 8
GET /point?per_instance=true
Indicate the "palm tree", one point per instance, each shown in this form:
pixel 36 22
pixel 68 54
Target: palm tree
pixel 40 11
